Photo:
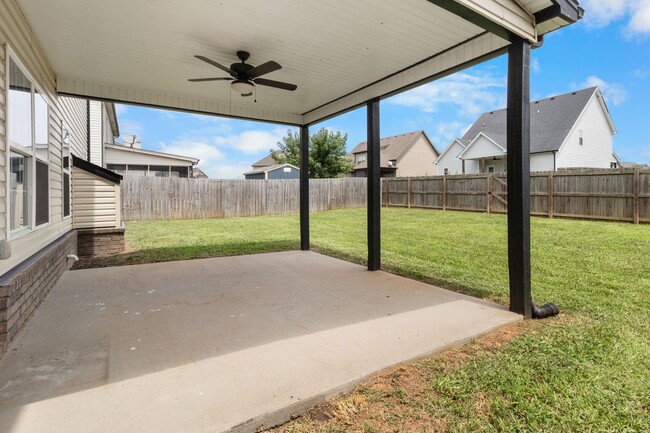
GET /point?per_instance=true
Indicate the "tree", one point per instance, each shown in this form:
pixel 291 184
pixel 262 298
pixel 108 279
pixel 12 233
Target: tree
pixel 327 155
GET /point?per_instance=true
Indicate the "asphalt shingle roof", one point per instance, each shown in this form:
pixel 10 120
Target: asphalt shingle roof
pixel 551 120
pixel 390 148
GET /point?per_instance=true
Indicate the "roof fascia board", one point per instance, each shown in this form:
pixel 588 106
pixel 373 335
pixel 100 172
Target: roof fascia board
pixel 151 152
pixel 568 10
pixel 491 16
pixel 471 143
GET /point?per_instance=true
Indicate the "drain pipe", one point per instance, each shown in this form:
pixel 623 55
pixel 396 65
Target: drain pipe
pixel 74 258
pixel 546 310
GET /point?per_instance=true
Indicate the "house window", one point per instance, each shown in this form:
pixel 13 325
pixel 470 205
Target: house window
pixel 28 134
pixel 361 158
pixel 490 169
pixel 180 172
pixel 159 170
pixel 581 139
pixel 613 165
pixel 117 168
pixel 446 171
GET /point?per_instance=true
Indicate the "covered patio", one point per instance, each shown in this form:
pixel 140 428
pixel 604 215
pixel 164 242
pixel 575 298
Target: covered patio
pixel 242 343
pixel 323 59
pixel 215 344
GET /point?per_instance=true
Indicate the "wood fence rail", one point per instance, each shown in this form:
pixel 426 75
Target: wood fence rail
pixel 158 198
pixel 618 195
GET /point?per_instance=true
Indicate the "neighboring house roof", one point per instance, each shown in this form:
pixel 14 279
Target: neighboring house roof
pixel 269 168
pixel 134 150
pixel 197 173
pixel 629 164
pixel 267 161
pixel 551 121
pixel 391 148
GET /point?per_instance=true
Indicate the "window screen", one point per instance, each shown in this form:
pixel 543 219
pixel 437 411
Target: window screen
pixel 42 193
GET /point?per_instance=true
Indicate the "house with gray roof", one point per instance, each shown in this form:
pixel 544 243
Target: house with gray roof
pixel 573 130
pixel 403 155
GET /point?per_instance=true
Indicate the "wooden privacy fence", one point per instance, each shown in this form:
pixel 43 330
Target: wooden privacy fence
pixel 157 198
pixel 619 195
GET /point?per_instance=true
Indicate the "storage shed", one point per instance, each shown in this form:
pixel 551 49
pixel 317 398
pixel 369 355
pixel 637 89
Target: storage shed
pixel 278 171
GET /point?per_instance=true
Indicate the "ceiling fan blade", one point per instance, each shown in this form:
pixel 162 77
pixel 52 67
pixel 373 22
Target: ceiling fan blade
pixel 213 63
pixel 276 84
pixel 264 68
pixel 198 80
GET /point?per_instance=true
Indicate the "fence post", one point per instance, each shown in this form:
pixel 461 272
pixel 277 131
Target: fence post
pixel 387 183
pixel 549 189
pixel 408 192
pixel 490 187
pixel 636 196
pixel 444 193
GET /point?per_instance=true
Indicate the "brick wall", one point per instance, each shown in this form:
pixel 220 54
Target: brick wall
pixel 100 242
pixel 23 288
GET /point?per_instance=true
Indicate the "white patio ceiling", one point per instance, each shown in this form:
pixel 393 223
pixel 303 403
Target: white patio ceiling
pixel 340 53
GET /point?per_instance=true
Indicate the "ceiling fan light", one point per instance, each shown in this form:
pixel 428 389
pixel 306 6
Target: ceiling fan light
pixel 242 87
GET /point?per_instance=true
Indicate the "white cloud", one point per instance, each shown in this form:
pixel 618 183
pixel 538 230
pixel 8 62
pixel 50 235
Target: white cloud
pixel 600 13
pixel 614 93
pixel 252 142
pixel 534 65
pixel 130 126
pixel 120 109
pixel 471 94
pixel 228 171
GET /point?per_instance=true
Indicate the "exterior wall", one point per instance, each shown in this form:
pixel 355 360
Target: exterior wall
pixel 471 166
pixel 114 155
pixel 450 160
pixel 482 148
pixel 25 287
pixel 418 160
pixel 75 119
pixel 596 152
pixel 95 112
pixel 16 33
pixel 100 242
pixel 255 176
pixel 95 201
pixel 279 173
pixel 542 162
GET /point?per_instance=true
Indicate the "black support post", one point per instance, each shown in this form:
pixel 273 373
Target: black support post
pixel 304 188
pixel 374 186
pixel 518 143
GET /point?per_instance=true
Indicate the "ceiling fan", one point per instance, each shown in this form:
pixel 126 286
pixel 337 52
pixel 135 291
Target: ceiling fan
pixel 245 76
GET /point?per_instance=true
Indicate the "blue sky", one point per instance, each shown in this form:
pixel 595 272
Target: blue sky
pixel 610 48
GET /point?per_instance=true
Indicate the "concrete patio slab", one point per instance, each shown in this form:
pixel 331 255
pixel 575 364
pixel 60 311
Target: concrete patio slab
pixel 233 343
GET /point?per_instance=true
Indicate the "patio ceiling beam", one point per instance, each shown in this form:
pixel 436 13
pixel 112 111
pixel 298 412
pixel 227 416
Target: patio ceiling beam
pixel 518 160
pixel 508 21
pixel 373 173
pixel 304 188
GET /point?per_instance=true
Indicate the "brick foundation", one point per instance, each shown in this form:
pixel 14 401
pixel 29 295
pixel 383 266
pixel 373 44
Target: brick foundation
pixel 23 288
pixel 100 242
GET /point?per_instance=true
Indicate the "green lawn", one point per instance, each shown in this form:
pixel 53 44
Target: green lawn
pixel 586 370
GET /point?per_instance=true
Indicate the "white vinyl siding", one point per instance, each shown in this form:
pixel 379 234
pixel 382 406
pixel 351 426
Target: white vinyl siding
pixel 96 201
pixel 75 114
pixel 596 150
pixel 95 121
pixel 450 160
pixel 542 161
pixel 482 147
pixel 16 34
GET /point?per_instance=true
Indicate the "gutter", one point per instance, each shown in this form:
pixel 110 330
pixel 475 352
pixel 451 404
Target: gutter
pixel 569 11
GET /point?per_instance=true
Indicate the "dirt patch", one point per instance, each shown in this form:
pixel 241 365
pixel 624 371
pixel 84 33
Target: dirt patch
pixel 398 400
